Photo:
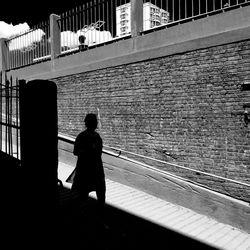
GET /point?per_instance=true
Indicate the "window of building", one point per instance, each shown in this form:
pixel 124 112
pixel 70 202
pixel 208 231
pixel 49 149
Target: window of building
pixel 154 10
pixel 123 29
pixel 164 14
pixel 154 23
pixel 124 22
pixel 123 10
pixel 123 16
pixel 154 17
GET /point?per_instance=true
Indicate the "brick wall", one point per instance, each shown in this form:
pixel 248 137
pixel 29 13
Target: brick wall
pixel 182 109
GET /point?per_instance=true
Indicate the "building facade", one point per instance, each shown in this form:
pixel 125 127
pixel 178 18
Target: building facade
pixel 153 16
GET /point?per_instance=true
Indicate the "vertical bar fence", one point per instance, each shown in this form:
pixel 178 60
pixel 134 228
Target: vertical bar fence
pixel 158 13
pixel 10 117
pixel 29 47
pixel 98 22
pixel 89 25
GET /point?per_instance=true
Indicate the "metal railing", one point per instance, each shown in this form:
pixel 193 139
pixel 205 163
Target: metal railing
pixel 29 47
pixel 90 24
pixel 98 22
pixel 198 177
pixel 159 13
pixel 120 153
pixel 10 117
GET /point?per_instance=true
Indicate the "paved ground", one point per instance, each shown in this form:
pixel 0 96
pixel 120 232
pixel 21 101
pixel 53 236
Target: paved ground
pixel 139 219
pixel 125 230
pixel 135 220
pixel 31 220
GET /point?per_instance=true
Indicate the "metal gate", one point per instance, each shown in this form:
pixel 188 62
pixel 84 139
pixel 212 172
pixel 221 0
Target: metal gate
pixel 10 117
pixel 28 118
pixel 28 156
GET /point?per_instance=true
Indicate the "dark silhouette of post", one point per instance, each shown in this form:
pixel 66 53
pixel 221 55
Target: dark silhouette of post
pixel 39 156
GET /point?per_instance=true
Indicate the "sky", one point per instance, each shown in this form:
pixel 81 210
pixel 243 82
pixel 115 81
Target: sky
pixel 33 12
pixel 16 20
pixel 26 14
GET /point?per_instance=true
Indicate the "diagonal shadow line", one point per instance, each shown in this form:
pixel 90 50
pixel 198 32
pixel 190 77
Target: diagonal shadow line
pixel 75 224
pixel 125 230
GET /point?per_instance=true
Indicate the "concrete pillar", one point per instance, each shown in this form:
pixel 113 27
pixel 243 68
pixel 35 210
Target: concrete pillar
pixel 136 17
pixel 55 36
pixel 3 54
pixel 39 159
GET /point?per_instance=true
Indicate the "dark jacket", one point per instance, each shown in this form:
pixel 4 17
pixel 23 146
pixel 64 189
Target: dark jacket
pixel 89 171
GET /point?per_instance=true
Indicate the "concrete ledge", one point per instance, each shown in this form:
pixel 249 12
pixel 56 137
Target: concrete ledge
pixel 170 188
pixel 65 153
pixel 173 189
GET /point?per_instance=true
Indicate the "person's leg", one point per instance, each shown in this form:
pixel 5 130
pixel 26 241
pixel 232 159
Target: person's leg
pixel 79 199
pixel 101 198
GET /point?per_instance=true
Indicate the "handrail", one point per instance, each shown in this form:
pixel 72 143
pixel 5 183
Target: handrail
pixel 71 140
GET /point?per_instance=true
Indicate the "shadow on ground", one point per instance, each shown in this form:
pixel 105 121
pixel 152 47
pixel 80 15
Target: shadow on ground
pixel 125 231
pixel 31 221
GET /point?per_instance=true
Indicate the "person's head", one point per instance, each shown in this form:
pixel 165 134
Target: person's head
pixel 91 121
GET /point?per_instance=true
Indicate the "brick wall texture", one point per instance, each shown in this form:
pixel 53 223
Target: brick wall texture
pixel 183 109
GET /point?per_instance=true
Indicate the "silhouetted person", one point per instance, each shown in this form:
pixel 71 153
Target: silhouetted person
pixel 82 45
pixel 89 173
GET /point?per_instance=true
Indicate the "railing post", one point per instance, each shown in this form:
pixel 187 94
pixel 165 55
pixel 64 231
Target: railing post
pixel 136 17
pixel 55 36
pixel 3 55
